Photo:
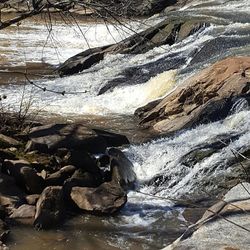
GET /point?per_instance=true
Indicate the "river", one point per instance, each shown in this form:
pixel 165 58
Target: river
pixel 149 220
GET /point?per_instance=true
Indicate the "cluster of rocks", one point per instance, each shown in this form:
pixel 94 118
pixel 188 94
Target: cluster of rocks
pixel 58 168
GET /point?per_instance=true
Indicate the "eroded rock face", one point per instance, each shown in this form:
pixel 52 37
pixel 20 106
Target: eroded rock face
pixel 207 96
pixel 108 198
pixel 49 208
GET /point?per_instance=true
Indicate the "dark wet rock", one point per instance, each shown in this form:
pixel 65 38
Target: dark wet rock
pixel 82 61
pixel 83 160
pixel 205 97
pixel 58 178
pixel 108 198
pixel 80 179
pixel 11 195
pixel 2 213
pixel 143 73
pixel 222 44
pixel 24 175
pixel 32 199
pixel 24 211
pixel 122 168
pixel 34 184
pixel 4 232
pixel 5 154
pixel 7 142
pixel 51 137
pixel 112 139
pixel 166 32
pixel 49 208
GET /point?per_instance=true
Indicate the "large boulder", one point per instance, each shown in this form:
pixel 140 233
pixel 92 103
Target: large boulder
pixel 51 137
pixel 49 208
pixel 225 225
pixel 207 96
pixel 108 198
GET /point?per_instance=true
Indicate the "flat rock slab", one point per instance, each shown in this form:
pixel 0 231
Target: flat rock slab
pixel 72 136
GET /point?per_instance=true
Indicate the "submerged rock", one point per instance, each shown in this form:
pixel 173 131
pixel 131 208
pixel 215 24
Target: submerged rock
pixel 207 96
pixel 225 225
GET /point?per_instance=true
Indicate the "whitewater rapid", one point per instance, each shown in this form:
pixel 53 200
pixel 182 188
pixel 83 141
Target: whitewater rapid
pixel 160 165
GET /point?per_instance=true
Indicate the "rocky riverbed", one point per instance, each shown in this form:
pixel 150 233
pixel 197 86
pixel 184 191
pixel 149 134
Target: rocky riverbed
pixel 144 130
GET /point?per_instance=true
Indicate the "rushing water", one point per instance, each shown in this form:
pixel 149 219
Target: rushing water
pixel 163 166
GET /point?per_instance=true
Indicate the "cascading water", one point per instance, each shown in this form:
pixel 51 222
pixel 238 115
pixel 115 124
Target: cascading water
pixel 183 166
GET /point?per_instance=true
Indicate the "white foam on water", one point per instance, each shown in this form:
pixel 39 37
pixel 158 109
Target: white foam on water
pixel 163 157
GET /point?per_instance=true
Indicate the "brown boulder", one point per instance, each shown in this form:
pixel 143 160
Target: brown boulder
pixel 49 208
pixel 108 198
pixel 205 97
